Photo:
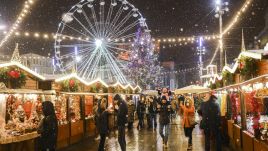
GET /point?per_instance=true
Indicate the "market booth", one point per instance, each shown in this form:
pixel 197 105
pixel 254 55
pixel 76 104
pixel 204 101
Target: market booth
pixel 242 92
pixel 80 98
pixel 20 107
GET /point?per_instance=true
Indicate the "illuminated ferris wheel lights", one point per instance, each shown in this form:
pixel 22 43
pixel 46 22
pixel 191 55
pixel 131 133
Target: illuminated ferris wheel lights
pixel 98 43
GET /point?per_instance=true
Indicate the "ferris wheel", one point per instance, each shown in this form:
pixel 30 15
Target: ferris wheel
pixel 93 34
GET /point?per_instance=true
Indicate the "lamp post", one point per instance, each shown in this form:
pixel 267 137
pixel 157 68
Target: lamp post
pixel 221 8
pixel 201 51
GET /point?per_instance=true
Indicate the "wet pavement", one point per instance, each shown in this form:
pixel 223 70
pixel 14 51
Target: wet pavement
pixel 147 140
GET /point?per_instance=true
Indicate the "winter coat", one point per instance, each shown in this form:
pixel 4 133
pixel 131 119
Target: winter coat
pixel 48 127
pixel 122 113
pixel 187 114
pixel 140 109
pixel 131 110
pixel 103 122
pixel 152 107
pixel 211 114
pixel 164 112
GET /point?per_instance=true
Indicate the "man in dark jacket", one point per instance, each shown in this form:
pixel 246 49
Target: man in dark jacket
pixel 48 128
pixel 140 112
pixel 211 117
pixel 152 111
pixel 164 110
pixel 103 123
pixel 122 111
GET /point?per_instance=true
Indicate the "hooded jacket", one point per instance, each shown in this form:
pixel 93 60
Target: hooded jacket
pixel 48 127
pixel 122 111
pixel 211 114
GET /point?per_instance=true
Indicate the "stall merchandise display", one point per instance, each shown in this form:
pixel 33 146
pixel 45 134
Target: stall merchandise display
pixel 257 116
pixel 60 103
pixel 89 99
pixel 236 110
pixel 20 114
pixel 75 108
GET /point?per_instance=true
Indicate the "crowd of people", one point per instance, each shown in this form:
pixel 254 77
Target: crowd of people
pixel 164 105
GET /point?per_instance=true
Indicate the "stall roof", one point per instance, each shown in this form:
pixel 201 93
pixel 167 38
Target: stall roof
pixel 150 92
pixel 21 91
pixel 14 63
pixel 191 89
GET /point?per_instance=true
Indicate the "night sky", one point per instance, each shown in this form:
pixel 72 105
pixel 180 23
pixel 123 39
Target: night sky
pixel 165 18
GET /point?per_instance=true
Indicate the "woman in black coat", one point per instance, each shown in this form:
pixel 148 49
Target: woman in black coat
pixel 48 128
pixel 140 111
pixel 103 124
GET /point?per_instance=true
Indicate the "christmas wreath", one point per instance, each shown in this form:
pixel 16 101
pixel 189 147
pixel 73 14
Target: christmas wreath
pixel 228 78
pixel 70 85
pixel 248 67
pixel 13 77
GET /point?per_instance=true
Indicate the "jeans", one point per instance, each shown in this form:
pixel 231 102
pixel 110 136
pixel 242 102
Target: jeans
pixel 164 131
pixel 141 121
pixel 188 131
pixel 102 142
pixel 121 137
pixel 149 123
pixel 153 120
pixel 216 133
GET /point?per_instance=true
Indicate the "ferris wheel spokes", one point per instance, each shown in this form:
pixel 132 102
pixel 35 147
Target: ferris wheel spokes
pixel 83 26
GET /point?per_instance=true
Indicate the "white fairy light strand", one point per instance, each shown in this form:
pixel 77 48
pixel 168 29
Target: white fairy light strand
pixel 51 36
pixel 233 22
pixel 22 15
pixel 237 16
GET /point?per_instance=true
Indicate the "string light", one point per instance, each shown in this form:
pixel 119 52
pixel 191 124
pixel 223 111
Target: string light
pixel 237 16
pixel 234 20
pixel 52 36
pixel 22 15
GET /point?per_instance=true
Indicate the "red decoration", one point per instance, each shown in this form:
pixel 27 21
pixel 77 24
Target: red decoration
pixel 14 74
pixel 234 101
pixel 255 112
pixel 71 83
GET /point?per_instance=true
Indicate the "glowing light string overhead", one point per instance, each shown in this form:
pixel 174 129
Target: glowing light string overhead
pixel 22 15
pixel 237 16
pixel 233 22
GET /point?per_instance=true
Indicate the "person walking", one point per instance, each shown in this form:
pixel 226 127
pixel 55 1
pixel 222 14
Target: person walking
pixel 212 123
pixel 152 111
pixel 96 112
pixel 131 112
pixel 164 110
pixel 147 112
pixel 103 123
pixel 48 128
pixel 140 112
pixel 188 121
pixel 122 111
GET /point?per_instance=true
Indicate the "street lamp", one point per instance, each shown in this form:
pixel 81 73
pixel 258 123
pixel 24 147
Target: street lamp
pixel 2 27
pixel 201 51
pixel 221 8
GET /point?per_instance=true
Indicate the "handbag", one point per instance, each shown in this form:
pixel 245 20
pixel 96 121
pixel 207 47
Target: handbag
pixel 192 121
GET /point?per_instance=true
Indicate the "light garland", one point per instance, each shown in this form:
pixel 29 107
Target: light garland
pixel 22 15
pixel 237 16
pixel 167 40
pixel 233 22
pixel 13 63
pixel 74 75
pixel 234 68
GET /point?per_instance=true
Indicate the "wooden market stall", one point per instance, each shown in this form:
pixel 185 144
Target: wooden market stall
pixel 20 111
